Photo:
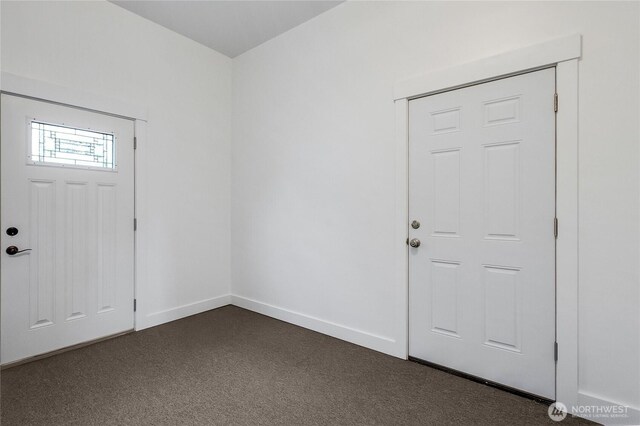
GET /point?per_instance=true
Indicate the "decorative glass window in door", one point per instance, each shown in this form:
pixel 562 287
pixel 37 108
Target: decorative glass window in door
pixel 58 145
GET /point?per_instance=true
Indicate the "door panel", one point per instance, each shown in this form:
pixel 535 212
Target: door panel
pixel 482 184
pixel 76 283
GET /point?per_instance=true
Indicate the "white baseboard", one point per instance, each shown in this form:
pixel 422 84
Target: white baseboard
pixel 157 318
pixel 368 340
pixel 600 410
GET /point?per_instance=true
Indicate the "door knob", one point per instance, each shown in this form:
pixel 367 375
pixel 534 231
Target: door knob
pixel 11 250
pixel 414 243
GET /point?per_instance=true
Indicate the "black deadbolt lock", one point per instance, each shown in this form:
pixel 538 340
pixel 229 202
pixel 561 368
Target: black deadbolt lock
pixel 12 231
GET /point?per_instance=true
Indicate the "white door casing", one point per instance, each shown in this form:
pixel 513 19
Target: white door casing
pixel 482 184
pixel 76 284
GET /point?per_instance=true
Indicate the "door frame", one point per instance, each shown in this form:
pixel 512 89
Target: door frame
pixel 12 84
pixel 564 54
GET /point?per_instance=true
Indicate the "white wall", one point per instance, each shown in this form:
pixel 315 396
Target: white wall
pixel 313 166
pixel 183 163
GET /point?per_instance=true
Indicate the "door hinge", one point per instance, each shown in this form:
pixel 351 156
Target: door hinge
pixel 555 227
pixel 555 351
pixel 135 305
pixel 135 224
pixel 407 240
pixel 135 142
pixel 555 102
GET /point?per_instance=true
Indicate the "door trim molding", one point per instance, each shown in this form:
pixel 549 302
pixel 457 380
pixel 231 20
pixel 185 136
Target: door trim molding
pixel 498 66
pixel 41 90
pixel 563 53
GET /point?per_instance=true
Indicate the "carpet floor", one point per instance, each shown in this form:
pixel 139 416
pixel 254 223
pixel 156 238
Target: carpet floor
pixel 233 366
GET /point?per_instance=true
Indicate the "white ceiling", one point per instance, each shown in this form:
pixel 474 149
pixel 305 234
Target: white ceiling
pixel 229 27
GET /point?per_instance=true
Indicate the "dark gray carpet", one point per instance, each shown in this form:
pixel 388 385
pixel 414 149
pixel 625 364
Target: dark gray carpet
pixel 232 366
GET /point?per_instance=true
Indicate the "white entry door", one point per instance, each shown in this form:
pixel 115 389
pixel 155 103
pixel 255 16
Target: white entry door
pixel 67 198
pixel 482 187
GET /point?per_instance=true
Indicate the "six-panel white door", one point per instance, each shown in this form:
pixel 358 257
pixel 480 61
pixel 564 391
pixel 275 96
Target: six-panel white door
pixel 482 186
pixel 76 283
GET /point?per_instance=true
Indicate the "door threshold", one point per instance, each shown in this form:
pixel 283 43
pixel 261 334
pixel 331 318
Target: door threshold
pixel 524 394
pixel 63 350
